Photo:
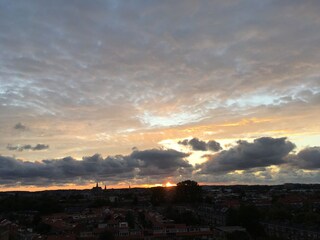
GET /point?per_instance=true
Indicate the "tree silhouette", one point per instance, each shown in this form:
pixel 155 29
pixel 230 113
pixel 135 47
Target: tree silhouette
pixel 188 191
pixel 157 195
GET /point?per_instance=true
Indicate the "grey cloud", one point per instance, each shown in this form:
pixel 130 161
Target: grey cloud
pixel 40 147
pixel 20 126
pixel 155 163
pixel 308 158
pixel 184 142
pixel 264 176
pixel 21 148
pixel 159 162
pixel 291 166
pixel 214 146
pixel 263 152
pixel 13 148
pixel 195 143
pixel 199 145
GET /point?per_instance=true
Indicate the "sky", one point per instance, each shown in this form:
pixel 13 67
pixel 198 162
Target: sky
pixel 147 92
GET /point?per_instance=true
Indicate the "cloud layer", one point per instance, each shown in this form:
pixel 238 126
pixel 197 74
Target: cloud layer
pixel 308 158
pixel 262 152
pixel 254 160
pixel 154 163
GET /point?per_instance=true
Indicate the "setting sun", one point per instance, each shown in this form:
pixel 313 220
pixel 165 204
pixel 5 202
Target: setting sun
pixel 169 184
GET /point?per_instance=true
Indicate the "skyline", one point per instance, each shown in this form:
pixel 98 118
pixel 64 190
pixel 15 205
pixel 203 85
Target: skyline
pixel 149 92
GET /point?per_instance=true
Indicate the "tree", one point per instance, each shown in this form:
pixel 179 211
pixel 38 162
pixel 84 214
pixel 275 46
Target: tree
pixel 157 195
pixel 247 216
pixel 238 235
pixel 130 219
pixel 106 235
pixel 188 191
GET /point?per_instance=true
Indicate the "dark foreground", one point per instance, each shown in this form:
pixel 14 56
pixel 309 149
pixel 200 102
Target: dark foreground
pixel 188 211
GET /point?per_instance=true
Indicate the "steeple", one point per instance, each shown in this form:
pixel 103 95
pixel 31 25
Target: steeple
pixel 96 189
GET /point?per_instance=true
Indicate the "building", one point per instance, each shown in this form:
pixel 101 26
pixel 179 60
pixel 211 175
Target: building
pixel 224 232
pixel 213 215
pixel 287 232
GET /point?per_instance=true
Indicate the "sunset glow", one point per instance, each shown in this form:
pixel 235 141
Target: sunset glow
pixel 168 184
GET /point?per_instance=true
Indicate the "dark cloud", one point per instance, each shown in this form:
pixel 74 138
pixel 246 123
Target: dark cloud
pixel 262 152
pixel 158 162
pixel 40 147
pixel 199 145
pixel 29 147
pixel 263 176
pixel 155 163
pixel 195 143
pixel 184 142
pixel 20 126
pixel 214 146
pixel 64 170
pixel 308 158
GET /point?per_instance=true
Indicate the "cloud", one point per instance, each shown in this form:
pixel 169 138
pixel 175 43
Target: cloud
pixel 20 126
pixel 308 158
pixel 214 146
pixel 29 147
pixel 263 176
pixel 18 148
pixel 195 143
pixel 265 160
pixel 199 145
pixel 263 152
pixel 40 147
pixel 161 162
pixel 82 42
pixel 154 163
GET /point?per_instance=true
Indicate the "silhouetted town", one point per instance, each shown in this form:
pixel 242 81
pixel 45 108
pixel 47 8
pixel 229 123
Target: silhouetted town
pixel 185 211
